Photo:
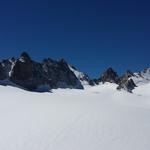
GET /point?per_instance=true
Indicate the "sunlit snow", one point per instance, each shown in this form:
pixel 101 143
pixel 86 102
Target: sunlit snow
pixel 98 118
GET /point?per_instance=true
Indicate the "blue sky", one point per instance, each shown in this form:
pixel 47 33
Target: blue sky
pixel 92 35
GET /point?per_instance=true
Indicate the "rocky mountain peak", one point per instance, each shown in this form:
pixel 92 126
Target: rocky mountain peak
pixel 126 82
pixel 31 75
pixel 129 73
pixel 110 69
pixel 63 61
pixel 24 57
pixel 48 61
pixel 109 76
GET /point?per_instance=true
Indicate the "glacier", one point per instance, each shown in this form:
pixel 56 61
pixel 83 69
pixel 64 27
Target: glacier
pixel 97 118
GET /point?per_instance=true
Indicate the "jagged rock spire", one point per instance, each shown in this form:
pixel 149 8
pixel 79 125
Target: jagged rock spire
pixel 24 57
pixel 109 76
pixel 30 74
pixel 129 73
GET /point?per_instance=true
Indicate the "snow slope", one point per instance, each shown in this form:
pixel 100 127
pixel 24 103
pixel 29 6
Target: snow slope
pixel 142 77
pixel 83 78
pixel 98 118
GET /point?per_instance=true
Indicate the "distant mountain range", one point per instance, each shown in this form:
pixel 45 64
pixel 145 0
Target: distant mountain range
pixel 51 74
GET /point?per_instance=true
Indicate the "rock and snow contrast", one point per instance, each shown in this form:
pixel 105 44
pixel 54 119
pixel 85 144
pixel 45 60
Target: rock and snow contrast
pixel 51 74
pixel 142 77
pixel 34 76
pixel 82 77
pixel 73 112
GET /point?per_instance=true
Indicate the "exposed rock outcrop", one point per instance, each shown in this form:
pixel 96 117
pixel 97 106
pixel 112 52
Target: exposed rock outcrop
pixel 109 76
pixel 48 74
pixel 126 82
pixel 127 85
pixel 31 75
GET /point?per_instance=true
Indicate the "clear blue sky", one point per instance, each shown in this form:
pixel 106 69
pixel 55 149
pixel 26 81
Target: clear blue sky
pixel 91 35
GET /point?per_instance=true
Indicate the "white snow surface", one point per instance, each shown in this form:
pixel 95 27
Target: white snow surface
pixel 98 118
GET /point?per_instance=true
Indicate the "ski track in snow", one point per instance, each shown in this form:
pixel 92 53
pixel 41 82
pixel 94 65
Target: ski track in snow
pixel 98 118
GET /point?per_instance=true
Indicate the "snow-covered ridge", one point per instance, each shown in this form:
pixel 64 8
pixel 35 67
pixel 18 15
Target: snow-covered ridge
pixel 142 77
pixel 84 79
pixel 51 74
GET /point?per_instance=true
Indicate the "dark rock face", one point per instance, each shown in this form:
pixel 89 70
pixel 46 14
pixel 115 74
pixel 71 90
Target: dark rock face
pixel 126 83
pixel 1 72
pixel 33 76
pixel 60 74
pixel 27 74
pixel 129 74
pixel 109 76
pixel 22 71
pixel 25 57
pixel 5 67
pixel 91 82
pixel 123 82
pixel 96 81
pixel 30 74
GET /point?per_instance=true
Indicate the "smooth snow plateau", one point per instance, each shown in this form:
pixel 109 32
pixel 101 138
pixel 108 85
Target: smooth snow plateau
pixel 97 118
